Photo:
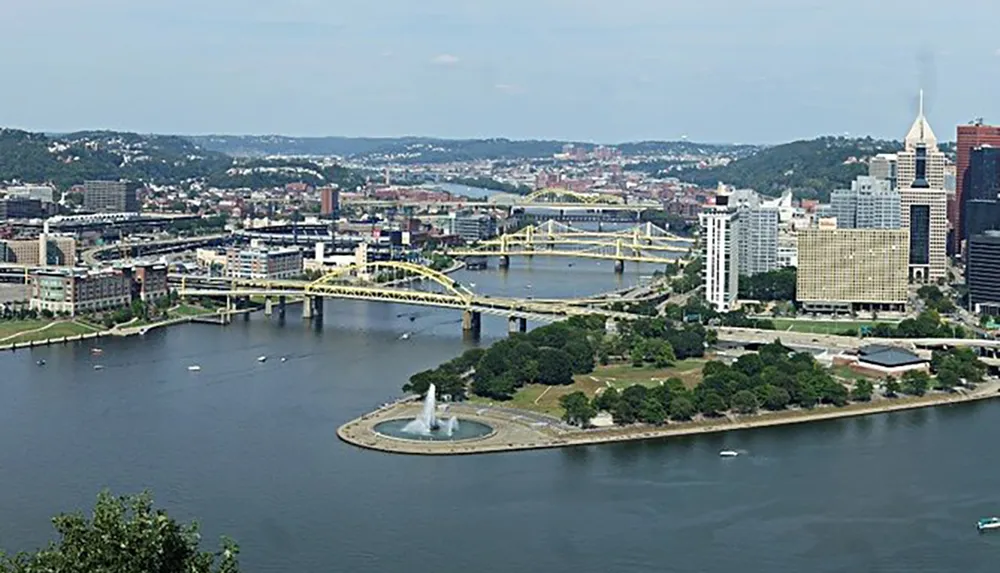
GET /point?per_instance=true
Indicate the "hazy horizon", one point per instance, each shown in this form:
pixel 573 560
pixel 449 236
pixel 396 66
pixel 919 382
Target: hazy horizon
pixel 728 71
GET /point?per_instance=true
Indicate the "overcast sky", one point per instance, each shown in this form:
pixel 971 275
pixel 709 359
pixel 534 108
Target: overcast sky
pixel 610 70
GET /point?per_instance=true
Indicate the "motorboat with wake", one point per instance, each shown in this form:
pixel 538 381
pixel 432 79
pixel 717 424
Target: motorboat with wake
pixel 728 453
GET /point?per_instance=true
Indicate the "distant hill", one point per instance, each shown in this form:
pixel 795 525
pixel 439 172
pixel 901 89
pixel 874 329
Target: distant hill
pixel 431 150
pixel 69 159
pixel 811 168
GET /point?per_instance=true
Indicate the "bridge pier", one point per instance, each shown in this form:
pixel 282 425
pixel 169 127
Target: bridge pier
pixel 517 325
pixel 307 308
pixel 620 266
pixel 268 306
pixel 281 307
pixel 472 322
pixel 318 308
pixel 504 262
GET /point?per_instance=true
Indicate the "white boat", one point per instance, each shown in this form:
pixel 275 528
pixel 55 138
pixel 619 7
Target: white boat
pixel 284 359
pixel 729 453
pixel 98 367
pixel 988 523
pixel 262 359
pixel 194 368
pixel 405 336
pixel 472 285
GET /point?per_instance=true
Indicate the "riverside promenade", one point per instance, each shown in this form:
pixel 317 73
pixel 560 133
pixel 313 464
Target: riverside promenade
pixel 521 430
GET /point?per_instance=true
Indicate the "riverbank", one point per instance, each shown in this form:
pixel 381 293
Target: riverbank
pixel 518 430
pixel 124 329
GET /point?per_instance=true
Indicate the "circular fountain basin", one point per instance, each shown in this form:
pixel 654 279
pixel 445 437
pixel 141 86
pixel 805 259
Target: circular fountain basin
pixel 466 430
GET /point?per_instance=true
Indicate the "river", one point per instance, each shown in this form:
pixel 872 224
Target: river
pixel 250 450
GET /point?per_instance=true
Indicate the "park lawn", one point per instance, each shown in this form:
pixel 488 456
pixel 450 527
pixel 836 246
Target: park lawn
pixel 187 310
pixel 821 326
pixel 12 327
pixel 545 399
pixel 57 330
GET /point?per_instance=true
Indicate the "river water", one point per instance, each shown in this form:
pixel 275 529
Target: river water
pixel 250 450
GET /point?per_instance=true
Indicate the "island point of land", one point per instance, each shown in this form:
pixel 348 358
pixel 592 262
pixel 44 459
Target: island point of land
pixel 573 384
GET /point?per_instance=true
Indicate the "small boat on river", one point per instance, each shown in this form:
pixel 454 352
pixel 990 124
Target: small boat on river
pixel 728 453
pixel 262 359
pixel 988 523
pixel 194 368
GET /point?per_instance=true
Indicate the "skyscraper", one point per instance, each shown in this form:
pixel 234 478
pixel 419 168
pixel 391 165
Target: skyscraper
pixel 329 200
pixel 757 239
pixel 110 197
pixel 920 145
pixel 870 203
pixel 969 137
pixel 720 254
pixel 924 201
pixel 982 272
pixel 885 166
pixel 980 208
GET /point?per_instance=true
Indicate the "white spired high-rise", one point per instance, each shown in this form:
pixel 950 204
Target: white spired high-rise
pixel 719 225
pixel 924 201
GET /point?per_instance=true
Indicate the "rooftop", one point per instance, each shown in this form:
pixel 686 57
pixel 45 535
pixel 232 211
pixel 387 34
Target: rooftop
pixel 888 356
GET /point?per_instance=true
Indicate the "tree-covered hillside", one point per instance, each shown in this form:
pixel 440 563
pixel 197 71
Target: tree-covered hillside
pixel 811 168
pixel 69 159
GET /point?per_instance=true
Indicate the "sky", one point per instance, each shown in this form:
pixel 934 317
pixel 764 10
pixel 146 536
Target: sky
pixel 738 71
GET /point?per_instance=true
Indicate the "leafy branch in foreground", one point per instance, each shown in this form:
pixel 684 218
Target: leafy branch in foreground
pixel 124 535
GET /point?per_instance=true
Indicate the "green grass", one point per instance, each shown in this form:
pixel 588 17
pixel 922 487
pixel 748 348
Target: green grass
pixel 12 327
pixel 545 399
pixel 57 330
pixel 188 310
pixel 821 326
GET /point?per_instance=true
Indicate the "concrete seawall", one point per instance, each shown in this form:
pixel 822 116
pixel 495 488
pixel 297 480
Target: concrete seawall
pixel 516 432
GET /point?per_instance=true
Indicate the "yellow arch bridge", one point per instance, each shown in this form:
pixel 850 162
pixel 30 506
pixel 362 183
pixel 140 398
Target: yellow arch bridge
pixel 644 243
pixel 392 282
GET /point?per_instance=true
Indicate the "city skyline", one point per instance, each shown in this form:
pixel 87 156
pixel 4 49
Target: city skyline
pixel 718 71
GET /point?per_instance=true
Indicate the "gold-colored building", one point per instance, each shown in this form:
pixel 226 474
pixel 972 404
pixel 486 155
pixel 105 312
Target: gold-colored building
pixel 851 269
pixel 59 251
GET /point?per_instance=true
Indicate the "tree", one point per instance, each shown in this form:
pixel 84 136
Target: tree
pixel 916 382
pixel 892 387
pixel 712 404
pixel 578 409
pixel 628 407
pixel 607 399
pixel 744 402
pixel 555 367
pixel 125 535
pixel 652 411
pixel 862 391
pixel 681 409
pixel 774 398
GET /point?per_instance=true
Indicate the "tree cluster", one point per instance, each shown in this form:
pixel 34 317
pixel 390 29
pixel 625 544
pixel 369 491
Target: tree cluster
pixel 774 379
pixel 657 341
pixel 927 324
pixel 935 299
pixel 957 367
pixel 778 284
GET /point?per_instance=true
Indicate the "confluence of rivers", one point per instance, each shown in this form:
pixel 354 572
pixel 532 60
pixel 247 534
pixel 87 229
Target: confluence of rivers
pixel 249 449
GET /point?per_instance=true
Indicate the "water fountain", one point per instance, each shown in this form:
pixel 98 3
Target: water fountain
pixel 428 421
pixel 428 427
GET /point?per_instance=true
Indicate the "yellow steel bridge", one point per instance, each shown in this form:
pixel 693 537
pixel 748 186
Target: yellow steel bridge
pixel 644 243
pixel 395 282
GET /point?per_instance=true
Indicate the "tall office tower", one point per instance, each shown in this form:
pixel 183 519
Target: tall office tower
pixel 329 199
pixel 925 214
pixel 885 166
pixel 982 272
pixel 720 254
pixel 980 209
pixel 757 239
pixel 851 269
pixel 110 197
pixel 870 203
pixel 920 144
pixel 969 137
